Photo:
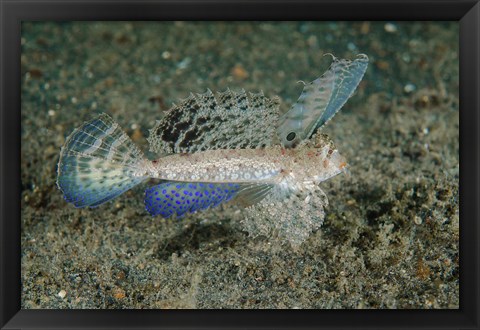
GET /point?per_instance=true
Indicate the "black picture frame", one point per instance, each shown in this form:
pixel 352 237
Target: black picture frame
pixel 467 12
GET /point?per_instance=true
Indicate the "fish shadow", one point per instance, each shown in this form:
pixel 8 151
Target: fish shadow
pixel 199 237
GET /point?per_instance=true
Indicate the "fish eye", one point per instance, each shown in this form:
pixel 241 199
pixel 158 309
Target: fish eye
pixel 291 136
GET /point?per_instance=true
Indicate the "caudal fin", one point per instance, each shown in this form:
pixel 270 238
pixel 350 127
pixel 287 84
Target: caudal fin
pixel 99 162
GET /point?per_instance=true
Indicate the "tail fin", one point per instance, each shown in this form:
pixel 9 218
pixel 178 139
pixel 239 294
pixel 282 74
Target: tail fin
pixel 99 162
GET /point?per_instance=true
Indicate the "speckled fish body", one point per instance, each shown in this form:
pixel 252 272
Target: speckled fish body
pixel 270 165
pixel 216 148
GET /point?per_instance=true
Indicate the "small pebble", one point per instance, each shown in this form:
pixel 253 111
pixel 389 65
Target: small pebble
pixel 35 73
pixel 239 72
pixel 383 65
pixel 62 294
pixel 351 46
pixel 312 41
pixel 390 28
pixel 417 220
pixel 184 63
pixel 365 28
pixel 119 293
pixel 408 88
pixel 109 82
pixel 137 135
pixel 166 55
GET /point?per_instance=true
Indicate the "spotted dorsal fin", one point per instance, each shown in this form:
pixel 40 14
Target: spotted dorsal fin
pixel 228 120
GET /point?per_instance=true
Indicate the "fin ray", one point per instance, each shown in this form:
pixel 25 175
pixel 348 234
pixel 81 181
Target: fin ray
pixel 290 214
pixel 321 99
pixel 98 162
pixel 226 121
pixel 253 193
pixel 169 198
pixel 346 82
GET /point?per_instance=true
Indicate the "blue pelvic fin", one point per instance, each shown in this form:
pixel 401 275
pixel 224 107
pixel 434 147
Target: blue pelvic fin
pixel 169 198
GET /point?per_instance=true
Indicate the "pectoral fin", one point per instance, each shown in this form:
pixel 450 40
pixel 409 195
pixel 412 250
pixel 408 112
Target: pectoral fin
pixel 291 215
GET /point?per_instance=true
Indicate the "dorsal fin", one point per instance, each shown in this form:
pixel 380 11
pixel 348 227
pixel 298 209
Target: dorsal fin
pixel 321 100
pixel 226 121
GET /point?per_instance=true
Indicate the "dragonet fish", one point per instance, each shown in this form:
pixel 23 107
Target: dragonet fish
pixel 222 147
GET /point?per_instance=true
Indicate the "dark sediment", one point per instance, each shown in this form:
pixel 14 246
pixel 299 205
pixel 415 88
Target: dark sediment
pixel 390 238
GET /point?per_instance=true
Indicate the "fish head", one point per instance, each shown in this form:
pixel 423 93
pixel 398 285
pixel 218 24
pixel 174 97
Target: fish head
pixel 328 161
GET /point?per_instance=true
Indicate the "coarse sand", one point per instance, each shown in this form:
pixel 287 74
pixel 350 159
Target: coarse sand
pixel 390 237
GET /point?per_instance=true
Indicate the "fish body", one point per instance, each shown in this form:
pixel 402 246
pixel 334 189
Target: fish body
pixel 220 148
pixel 270 165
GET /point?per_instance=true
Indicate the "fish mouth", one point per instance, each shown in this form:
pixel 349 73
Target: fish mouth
pixel 339 162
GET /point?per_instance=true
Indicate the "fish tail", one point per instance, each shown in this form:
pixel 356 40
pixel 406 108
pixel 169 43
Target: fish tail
pixel 98 162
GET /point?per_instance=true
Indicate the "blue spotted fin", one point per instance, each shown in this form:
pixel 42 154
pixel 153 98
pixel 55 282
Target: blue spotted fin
pixel 99 162
pixel 179 198
pixel 321 100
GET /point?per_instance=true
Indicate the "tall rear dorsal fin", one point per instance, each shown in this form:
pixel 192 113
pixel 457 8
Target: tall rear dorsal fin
pixel 321 99
pixel 228 120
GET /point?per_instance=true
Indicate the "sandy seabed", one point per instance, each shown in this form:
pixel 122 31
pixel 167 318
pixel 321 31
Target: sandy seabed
pixel 390 237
